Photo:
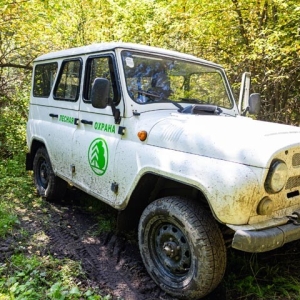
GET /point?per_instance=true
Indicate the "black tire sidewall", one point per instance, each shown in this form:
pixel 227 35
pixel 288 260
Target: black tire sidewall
pixel 56 187
pixel 208 257
pixel 40 157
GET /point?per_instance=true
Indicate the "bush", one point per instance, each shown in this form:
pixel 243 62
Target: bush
pixel 13 125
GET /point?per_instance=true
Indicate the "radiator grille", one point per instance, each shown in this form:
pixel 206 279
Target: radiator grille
pixel 296 160
pixel 292 182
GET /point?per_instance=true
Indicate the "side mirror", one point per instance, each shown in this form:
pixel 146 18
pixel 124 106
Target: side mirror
pixel 254 104
pixel 100 97
pixel 244 93
pixel 100 93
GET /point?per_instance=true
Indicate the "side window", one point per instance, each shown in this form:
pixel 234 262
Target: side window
pixel 101 67
pixel 43 80
pixel 68 83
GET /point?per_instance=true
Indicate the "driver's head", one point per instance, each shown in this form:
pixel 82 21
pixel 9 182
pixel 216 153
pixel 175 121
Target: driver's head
pixel 160 83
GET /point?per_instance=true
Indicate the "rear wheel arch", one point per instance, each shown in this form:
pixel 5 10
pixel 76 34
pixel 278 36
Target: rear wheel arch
pixel 35 145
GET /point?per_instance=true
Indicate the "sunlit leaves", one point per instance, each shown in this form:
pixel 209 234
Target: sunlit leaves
pixel 258 36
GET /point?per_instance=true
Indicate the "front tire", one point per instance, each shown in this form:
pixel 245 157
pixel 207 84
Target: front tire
pixel 48 186
pixel 182 247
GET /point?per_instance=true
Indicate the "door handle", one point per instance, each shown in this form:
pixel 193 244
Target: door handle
pixel 53 115
pixel 87 122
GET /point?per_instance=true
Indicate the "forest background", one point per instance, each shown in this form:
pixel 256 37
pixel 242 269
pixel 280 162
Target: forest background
pixel 261 37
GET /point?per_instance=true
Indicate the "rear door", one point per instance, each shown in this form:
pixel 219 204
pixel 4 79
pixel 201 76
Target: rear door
pixel 54 109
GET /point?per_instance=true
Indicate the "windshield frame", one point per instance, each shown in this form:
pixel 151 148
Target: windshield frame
pixel 129 71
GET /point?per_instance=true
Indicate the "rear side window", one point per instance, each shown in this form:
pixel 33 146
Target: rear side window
pixel 44 77
pixel 68 83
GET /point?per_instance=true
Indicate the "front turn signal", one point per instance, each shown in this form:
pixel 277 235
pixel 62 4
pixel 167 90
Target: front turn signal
pixel 142 135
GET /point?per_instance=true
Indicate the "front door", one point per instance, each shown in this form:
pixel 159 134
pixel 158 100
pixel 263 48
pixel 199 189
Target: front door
pixel 96 138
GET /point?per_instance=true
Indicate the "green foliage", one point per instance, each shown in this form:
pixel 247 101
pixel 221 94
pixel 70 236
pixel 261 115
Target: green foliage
pixel 13 125
pixel 257 36
pixel 12 188
pixel 257 276
pixel 34 277
pixel 26 275
pixel 7 221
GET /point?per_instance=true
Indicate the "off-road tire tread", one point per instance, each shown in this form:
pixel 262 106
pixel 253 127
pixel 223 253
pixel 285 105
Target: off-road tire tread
pixel 56 186
pixel 203 231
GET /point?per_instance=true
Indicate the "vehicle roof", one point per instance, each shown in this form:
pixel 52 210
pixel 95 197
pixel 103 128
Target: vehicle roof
pixel 94 48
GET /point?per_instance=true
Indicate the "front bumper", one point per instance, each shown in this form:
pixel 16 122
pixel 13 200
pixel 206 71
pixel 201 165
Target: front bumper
pixel 266 239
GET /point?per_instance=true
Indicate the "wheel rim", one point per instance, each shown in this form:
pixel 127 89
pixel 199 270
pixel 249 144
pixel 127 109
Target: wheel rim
pixel 43 173
pixel 170 251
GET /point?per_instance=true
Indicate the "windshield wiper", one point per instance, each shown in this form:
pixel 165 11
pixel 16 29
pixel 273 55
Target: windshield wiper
pixel 173 102
pixel 160 98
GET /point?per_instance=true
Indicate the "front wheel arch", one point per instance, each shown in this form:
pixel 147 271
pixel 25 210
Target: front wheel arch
pixel 182 247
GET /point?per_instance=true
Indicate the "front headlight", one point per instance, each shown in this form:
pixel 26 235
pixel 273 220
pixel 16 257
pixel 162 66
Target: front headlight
pixel 277 176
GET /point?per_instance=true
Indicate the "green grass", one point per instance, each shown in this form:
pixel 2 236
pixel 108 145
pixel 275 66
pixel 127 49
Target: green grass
pixel 34 277
pixel 269 276
pixel 25 274
pixel 10 190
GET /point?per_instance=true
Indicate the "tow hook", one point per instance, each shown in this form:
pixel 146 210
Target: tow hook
pixel 295 218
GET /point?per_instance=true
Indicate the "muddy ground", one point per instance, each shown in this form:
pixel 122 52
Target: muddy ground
pixel 82 229
pixel 71 230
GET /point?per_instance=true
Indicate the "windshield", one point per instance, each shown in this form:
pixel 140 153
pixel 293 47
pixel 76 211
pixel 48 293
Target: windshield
pixel 152 78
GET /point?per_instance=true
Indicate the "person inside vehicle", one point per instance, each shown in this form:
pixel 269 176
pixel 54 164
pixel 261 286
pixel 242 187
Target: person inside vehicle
pixel 160 86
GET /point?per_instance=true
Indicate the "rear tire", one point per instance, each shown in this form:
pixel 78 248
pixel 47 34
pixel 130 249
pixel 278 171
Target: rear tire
pixel 182 247
pixel 48 186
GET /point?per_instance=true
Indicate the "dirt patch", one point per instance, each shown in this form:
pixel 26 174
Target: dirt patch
pixel 111 262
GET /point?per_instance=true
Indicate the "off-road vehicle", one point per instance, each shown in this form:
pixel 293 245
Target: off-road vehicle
pixel 158 135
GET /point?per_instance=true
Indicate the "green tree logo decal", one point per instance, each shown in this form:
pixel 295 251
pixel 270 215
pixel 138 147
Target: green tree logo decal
pixel 98 156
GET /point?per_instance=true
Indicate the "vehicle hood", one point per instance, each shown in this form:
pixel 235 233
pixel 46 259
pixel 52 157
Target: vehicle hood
pixel 236 139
